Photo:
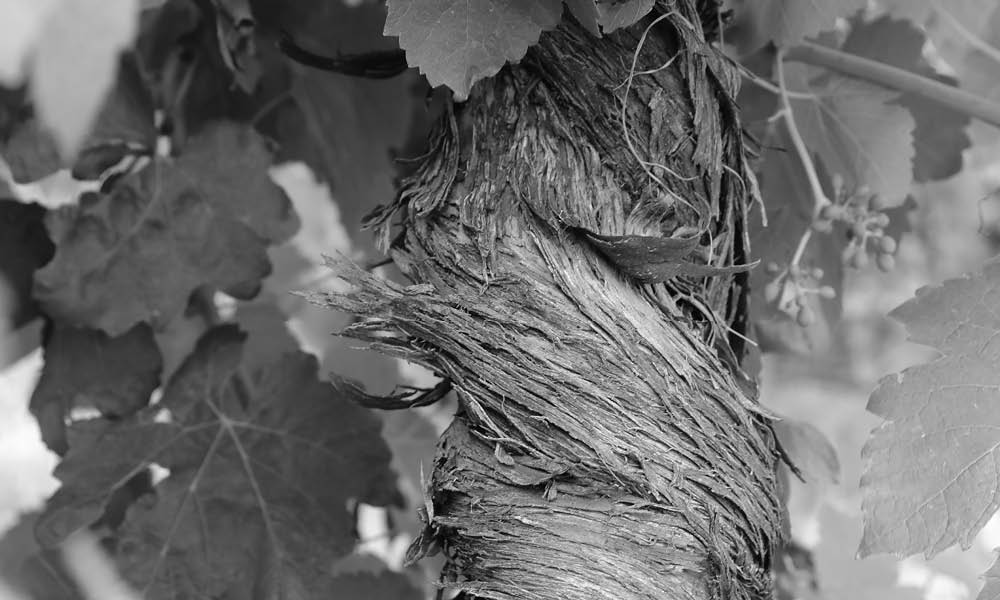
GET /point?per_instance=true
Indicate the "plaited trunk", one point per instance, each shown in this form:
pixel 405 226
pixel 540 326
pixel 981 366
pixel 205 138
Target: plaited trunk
pixel 577 242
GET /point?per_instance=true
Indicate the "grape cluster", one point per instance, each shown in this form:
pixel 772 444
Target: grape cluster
pixel 791 288
pixel 862 214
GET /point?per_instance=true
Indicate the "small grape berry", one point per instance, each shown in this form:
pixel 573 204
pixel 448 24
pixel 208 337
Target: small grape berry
pixel 772 291
pixel 885 262
pixel 887 245
pixel 858 260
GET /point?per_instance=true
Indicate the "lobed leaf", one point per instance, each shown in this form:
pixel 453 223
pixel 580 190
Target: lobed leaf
pixel 857 129
pixel 457 43
pixel 137 253
pixel 787 22
pixel 87 368
pixel 932 467
pixel 262 463
pixel 939 134
pixel 608 15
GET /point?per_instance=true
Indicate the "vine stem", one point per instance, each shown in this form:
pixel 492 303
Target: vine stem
pixel 788 116
pixel 973 40
pixel 801 248
pixel 899 79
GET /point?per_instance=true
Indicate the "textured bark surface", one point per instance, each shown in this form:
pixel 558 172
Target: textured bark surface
pixel 607 445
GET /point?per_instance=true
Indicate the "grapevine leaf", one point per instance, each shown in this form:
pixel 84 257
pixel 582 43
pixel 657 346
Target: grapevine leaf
pixel 914 10
pixel 34 572
pixel 24 248
pixel 789 206
pixel 86 368
pixel 810 450
pixel 262 465
pixel 617 15
pixel 608 15
pixel 124 125
pixel 585 12
pixel 991 589
pixel 179 49
pixel 137 253
pixel 269 338
pixel 939 137
pixel 29 150
pixel 787 22
pixel 344 128
pixel 235 29
pixel 458 43
pixel 74 67
pixel 31 153
pixel 857 129
pixel 932 466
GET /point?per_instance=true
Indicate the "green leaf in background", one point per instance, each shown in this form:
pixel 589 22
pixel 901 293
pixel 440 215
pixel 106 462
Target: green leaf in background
pixel 608 15
pixel 785 22
pixel 84 368
pixel 137 253
pixel 857 129
pixel 24 248
pixel 262 465
pixel 939 136
pixel 789 207
pixel 29 150
pixel 965 33
pixel 810 450
pixel 458 43
pixel 346 129
pixel 932 466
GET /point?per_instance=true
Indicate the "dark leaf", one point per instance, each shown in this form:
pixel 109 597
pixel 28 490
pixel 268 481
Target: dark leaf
pixel 24 248
pixel 29 151
pixel 86 368
pixel 345 128
pixel 34 572
pixel 137 253
pixel 125 124
pixel 608 15
pixel 939 137
pixel 811 452
pixel 262 463
pixel 784 22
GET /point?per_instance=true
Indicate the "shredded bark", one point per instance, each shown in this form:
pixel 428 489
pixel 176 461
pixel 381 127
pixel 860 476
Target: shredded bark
pixel 607 446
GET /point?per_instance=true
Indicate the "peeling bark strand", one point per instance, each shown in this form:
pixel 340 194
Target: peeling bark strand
pixel 606 447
